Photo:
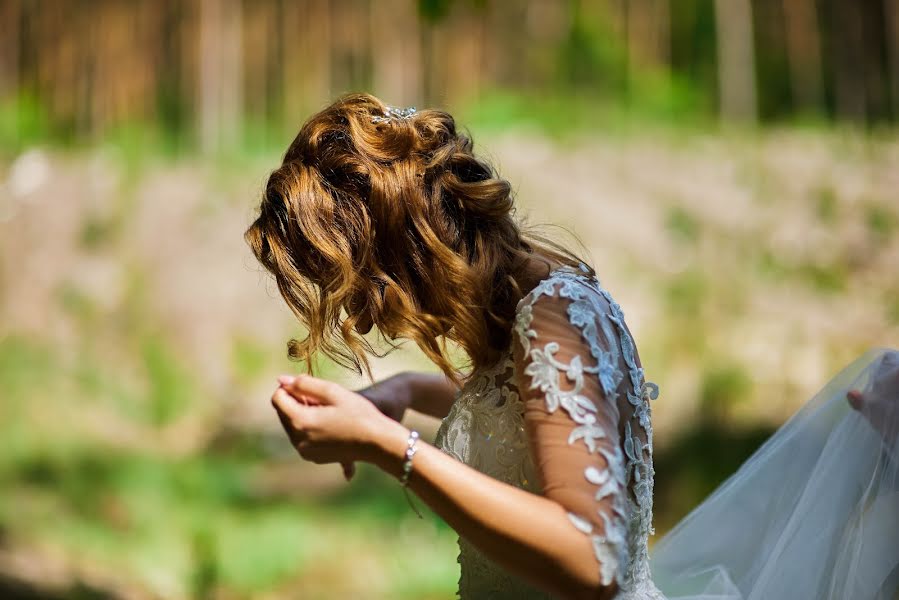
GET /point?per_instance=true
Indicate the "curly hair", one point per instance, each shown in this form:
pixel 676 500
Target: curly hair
pixel 395 225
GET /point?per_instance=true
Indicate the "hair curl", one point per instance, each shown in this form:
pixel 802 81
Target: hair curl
pixel 396 225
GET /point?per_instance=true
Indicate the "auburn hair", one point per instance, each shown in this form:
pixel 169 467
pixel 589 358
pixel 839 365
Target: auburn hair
pixel 395 225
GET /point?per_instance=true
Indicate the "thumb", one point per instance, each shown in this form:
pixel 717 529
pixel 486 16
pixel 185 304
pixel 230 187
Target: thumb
pixel 856 400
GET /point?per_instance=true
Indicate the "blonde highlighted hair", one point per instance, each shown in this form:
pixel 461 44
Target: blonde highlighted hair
pixel 395 225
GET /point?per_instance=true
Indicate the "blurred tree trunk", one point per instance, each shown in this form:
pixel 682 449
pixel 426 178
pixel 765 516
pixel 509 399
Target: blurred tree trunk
pixel 891 32
pixel 257 39
pixel 648 33
pixel 847 50
pixel 874 67
pixel 512 66
pixel 170 71
pixel 547 25
pixel 804 54
pixel 616 14
pixel 661 16
pixel 434 43
pixel 648 38
pixel 464 61
pixel 209 79
pixel 10 23
pixel 736 60
pixel 307 67
pixel 350 44
pixel 274 106
pixel 221 73
pixel 396 58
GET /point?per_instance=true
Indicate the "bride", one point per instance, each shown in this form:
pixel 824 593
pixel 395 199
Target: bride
pixel 382 217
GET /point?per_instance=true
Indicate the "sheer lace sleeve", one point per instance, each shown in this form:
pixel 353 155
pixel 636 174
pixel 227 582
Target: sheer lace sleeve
pixel 571 353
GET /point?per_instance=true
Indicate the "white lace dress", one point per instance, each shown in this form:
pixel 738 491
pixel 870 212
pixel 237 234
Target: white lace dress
pixel 565 414
pixel 812 515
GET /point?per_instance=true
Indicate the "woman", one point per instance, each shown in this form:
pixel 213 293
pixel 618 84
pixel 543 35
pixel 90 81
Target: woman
pixel 383 217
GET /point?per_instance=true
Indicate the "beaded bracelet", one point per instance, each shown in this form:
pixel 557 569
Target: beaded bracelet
pixel 407 467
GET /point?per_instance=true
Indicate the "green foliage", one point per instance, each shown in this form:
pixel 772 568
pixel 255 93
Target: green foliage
pixel 23 364
pixel 76 303
pixel 248 359
pixel 23 123
pixel 823 277
pixel 682 225
pixel 892 307
pixel 200 518
pixel 826 278
pixel 202 521
pixel 257 550
pixel 205 520
pixel 206 570
pixel 723 386
pixel 562 117
pixel 170 387
pixel 590 56
pixel 433 11
pixel 98 232
pixel 694 46
pixel 826 204
pixel 687 292
pixel 698 461
pixel 881 222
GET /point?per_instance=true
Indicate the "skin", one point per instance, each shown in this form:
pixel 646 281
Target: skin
pixel 527 534
pixel 427 393
pixel 879 403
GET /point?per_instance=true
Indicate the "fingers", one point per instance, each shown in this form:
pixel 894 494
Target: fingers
pixel 320 390
pixel 295 419
pixel 288 406
pixel 295 435
pixel 286 381
pixel 856 399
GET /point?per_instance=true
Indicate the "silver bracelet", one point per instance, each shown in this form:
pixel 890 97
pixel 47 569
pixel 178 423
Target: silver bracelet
pixel 407 467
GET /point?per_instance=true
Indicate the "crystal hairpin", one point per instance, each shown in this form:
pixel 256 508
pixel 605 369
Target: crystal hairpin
pixel 392 112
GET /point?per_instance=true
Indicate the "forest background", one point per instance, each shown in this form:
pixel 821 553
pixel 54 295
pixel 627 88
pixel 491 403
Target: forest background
pixel 731 167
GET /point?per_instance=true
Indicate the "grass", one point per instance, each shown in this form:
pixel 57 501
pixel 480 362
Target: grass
pixel 204 523
pixel 118 453
pixel 192 525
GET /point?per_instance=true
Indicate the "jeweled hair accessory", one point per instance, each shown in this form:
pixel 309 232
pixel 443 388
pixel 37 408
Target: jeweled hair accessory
pixel 393 112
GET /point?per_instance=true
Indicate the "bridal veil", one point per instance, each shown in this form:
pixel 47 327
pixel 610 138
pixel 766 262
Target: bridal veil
pixel 813 514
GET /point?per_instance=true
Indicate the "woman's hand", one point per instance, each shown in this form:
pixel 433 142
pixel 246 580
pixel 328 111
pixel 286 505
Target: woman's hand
pixel 879 403
pixel 327 422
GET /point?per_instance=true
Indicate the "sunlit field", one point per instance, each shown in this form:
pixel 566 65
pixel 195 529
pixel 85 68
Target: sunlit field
pixel 139 456
pixel 730 168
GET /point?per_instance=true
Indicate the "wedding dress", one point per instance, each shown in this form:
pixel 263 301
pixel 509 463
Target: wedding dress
pixel 566 414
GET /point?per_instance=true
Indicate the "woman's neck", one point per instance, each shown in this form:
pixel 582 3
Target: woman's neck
pixel 536 270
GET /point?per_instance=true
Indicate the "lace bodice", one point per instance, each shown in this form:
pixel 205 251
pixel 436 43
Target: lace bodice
pixel 570 350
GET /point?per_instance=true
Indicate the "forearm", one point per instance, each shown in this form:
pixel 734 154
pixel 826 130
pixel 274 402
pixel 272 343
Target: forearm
pixel 430 393
pixel 529 535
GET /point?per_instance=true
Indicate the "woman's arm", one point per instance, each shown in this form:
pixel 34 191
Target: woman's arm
pixel 530 535
pixel 432 393
pixel 428 393
pixel 527 534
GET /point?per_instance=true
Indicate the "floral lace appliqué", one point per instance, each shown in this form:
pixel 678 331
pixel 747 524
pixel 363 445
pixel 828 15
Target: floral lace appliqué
pixel 621 546
pixel 485 429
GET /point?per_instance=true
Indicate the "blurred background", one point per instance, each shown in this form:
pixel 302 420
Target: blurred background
pixel 730 166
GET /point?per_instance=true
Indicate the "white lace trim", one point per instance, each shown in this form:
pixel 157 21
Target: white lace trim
pixel 611 546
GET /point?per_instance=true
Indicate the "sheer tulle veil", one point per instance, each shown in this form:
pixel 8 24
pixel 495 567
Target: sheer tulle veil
pixel 813 514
